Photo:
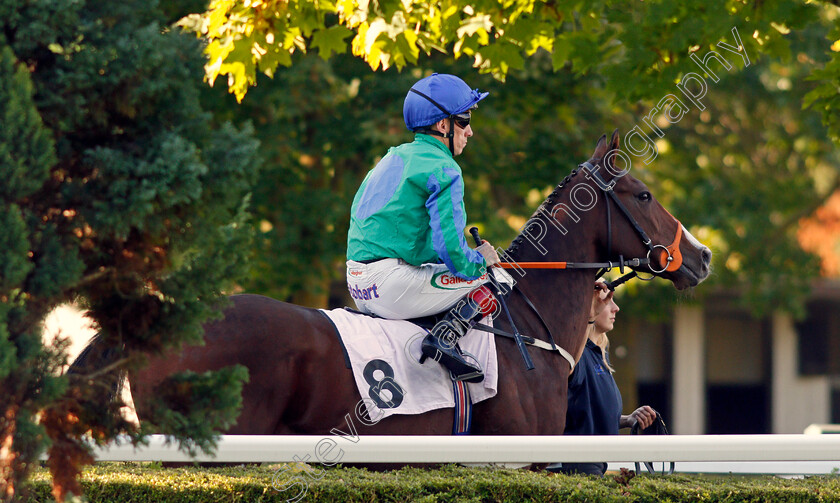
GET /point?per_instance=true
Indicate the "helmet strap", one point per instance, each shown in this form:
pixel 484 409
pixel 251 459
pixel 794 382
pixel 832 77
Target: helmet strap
pixel 440 107
pixel 434 132
pixel 451 134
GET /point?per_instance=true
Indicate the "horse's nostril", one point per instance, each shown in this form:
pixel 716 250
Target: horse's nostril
pixel 706 254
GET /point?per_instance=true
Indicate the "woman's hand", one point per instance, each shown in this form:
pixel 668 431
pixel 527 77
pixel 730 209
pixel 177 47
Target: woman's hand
pixel 644 415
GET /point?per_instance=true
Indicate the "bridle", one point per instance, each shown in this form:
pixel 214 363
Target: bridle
pixel 670 259
pixel 670 255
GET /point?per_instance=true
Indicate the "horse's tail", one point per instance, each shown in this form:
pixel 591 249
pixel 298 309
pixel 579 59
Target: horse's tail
pixel 96 357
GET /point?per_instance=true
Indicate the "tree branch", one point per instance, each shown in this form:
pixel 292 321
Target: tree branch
pixel 105 369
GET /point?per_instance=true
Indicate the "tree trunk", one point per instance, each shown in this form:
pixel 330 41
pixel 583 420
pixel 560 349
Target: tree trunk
pixel 7 455
pixel 66 455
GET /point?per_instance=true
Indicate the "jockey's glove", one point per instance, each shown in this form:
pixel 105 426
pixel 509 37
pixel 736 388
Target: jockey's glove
pixel 489 253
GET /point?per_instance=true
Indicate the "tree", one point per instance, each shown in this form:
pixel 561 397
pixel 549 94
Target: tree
pixel 321 126
pixel 620 58
pixel 719 169
pixel 117 193
pixel 643 40
pixel 122 191
pixel 745 171
pixel 824 97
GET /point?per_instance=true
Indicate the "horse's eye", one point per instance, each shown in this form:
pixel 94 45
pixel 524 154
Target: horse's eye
pixel 644 196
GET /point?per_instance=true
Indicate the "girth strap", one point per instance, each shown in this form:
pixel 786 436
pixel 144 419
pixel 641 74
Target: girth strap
pixel 529 341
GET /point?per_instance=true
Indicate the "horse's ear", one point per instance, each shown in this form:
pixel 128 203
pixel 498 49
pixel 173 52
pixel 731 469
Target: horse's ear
pixel 601 148
pixel 614 141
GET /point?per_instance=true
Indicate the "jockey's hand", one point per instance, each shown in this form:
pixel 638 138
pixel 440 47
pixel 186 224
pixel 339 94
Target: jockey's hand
pixel 600 299
pixel 488 252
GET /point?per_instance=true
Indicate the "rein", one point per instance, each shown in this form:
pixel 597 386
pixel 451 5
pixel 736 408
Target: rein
pixel 636 262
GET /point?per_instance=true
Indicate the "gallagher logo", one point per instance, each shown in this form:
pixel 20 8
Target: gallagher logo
pixel 448 281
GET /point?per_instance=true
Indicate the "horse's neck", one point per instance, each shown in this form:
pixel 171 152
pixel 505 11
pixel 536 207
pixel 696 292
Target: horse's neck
pixel 562 297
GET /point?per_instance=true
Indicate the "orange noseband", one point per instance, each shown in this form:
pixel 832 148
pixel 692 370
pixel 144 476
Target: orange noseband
pixel 671 257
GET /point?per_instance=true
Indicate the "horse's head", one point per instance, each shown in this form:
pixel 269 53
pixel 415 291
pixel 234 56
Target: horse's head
pixel 638 226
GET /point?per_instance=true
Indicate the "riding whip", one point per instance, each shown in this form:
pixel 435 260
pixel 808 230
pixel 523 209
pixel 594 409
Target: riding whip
pixel 520 343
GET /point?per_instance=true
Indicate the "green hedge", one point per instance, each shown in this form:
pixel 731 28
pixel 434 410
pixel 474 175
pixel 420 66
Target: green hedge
pixel 149 482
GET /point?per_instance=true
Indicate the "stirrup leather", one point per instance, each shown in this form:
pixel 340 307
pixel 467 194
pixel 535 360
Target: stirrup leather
pixel 441 344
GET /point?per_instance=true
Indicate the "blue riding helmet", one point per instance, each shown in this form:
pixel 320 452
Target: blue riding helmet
pixel 437 97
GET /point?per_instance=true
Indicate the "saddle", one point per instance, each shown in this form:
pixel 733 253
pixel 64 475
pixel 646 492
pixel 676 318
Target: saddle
pixel 473 373
pixel 383 356
pixel 436 325
pixel 428 322
pixel 424 322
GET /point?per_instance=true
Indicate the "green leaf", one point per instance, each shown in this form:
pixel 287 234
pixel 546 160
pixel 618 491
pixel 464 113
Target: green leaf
pixel 561 52
pixel 331 40
pixel 500 58
pixel 275 55
pixel 473 25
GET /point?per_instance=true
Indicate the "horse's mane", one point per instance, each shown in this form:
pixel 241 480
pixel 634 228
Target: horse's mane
pixel 548 203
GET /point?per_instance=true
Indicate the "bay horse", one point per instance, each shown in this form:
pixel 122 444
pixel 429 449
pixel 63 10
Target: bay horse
pixel 299 384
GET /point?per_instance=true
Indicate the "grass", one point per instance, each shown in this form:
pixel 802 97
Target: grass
pixel 152 483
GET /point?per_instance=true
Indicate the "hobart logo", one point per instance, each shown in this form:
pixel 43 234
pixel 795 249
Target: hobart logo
pixel 448 281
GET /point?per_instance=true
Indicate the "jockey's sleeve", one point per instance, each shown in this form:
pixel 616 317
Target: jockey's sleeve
pixel 447 220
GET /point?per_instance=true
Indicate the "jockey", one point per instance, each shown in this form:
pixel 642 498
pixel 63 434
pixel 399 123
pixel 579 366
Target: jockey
pixel 406 250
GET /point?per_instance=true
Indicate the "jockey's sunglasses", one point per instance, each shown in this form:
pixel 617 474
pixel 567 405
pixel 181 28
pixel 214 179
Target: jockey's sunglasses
pixel 463 120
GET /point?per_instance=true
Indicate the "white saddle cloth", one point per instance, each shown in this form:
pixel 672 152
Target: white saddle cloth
pixel 384 356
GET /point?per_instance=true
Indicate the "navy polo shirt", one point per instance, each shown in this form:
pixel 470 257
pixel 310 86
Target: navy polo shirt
pixel 594 400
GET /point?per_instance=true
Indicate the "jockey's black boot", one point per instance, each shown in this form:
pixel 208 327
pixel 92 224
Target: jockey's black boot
pixel 441 344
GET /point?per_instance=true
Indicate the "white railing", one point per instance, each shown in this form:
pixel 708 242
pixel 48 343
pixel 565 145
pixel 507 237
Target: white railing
pixel 812 453
pixel 819 429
